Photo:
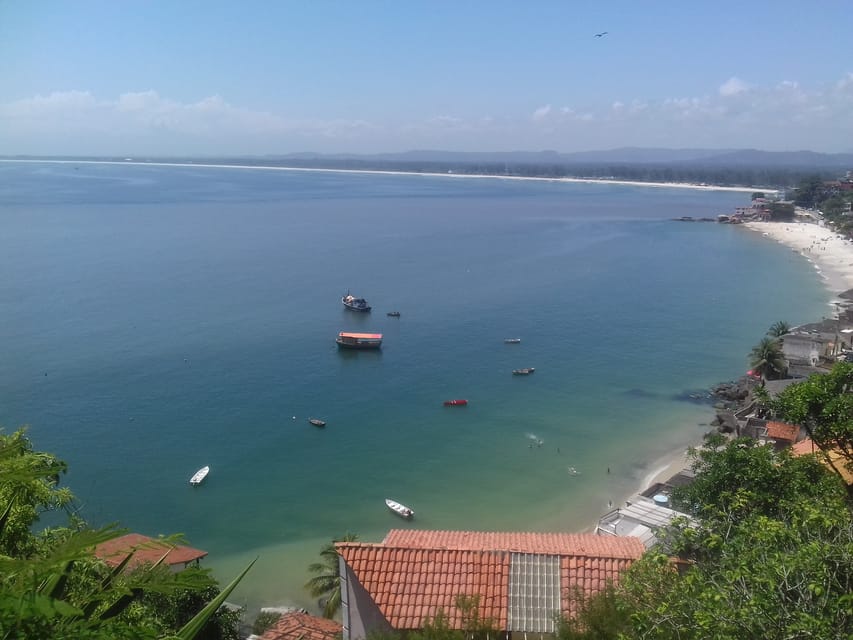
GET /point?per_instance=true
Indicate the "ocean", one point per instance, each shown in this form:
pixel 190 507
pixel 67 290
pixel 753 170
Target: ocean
pixel 159 319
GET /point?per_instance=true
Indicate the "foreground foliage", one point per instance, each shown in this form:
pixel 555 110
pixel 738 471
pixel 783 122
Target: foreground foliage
pixel 52 586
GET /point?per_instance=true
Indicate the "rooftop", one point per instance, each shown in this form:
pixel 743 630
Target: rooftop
pixel 783 431
pixel 145 550
pixel 299 625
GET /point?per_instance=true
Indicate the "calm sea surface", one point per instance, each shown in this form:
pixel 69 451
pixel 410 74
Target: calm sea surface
pixel 159 319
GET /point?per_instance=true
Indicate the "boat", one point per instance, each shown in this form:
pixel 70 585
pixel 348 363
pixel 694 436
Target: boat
pixel 455 403
pixel 347 340
pixel 355 304
pixel 523 372
pixel 393 314
pixel 199 476
pixel 317 422
pixel 512 340
pixel 401 510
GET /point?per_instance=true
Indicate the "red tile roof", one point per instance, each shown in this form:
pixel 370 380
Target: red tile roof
pixel 834 456
pixel 409 585
pixel 145 551
pixel 574 544
pixel 413 574
pixel 783 431
pixel 298 624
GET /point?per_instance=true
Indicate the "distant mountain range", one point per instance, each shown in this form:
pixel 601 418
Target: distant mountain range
pixel 625 155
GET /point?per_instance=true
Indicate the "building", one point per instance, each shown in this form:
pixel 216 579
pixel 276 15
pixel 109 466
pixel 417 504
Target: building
pixel 144 550
pixel 642 517
pixel 520 581
pixel 806 348
pixel 300 625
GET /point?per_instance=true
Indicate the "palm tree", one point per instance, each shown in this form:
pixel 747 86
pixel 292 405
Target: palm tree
pixel 767 360
pixel 327 583
pixel 779 329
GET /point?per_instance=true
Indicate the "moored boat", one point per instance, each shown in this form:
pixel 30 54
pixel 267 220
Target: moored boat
pixel 512 340
pixel 393 314
pixel 348 340
pixel 355 304
pixel 199 476
pixel 317 422
pixel 455 403
pixel 401 510
pixel 523 372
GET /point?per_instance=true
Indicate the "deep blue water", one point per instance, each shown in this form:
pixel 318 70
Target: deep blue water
pixel 157 319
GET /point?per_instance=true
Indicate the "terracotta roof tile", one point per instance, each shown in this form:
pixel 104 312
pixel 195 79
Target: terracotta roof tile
pixel 145 551
pixel 577 544
pixel 783 431
pixel 298 624
pixel 414 574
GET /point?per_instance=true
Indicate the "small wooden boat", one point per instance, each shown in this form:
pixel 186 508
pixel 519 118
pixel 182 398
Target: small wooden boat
pixel 455 403
pixel 199 476
pixel 401 510
pixel 348 340
pixel 393 314
pixel 512 340
pixel 317 422
pixel 523 372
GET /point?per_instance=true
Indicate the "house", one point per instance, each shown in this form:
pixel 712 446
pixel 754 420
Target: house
pixel 834 459
pixel 779 434
pixel 806 347
pixel 299 624
pixel 520 581
pixel 145 550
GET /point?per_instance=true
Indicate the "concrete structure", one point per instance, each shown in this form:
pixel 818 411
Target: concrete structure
pixel 641 517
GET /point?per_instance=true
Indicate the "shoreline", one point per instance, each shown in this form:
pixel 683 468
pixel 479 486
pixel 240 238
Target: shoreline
pixel 830 254
pixel 197 165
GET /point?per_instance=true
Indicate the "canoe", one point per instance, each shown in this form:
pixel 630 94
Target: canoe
pixel 523 372
pixel 317 422
pixel 401 510
pixel 199 476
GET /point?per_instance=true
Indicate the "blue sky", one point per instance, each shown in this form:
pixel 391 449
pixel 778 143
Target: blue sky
pixel 200 78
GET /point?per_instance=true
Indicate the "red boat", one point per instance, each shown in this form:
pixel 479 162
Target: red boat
pixel 455 403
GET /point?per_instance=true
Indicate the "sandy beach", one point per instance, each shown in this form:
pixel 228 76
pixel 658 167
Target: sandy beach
pixel 449 174
pixel 830 253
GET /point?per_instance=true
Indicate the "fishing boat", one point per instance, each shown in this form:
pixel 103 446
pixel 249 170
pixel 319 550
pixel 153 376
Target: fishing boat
pixel 355 304
pixel 199 476
pixel 347 340
pixel 317 422
pixel 401 510
pixel 455 403
pixel 523 372
pixel 393 314
pixel 512 340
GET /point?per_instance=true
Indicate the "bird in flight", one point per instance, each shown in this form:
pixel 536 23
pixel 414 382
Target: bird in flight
pixel 603 33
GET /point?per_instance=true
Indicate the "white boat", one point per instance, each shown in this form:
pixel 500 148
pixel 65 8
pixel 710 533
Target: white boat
pixel 512 340
pixel 199 476
pixel 401 510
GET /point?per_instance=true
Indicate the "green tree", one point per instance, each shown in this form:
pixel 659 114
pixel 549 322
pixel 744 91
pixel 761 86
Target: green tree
pixel 52 586
pixel 767 360
pixel 823 404
pixel 778 329
pixel 809 192
pixel 326 584
pixel 603 616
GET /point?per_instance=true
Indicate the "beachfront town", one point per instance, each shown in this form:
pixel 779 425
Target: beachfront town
pixel 755 521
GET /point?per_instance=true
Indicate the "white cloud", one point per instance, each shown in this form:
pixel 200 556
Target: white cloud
pixel 774 116
pixel 733 86
pixel 542 112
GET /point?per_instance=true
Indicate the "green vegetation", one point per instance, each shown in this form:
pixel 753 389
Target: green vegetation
pixel 326 584
pixel 778 329
pixel 52 586
pixel 766 359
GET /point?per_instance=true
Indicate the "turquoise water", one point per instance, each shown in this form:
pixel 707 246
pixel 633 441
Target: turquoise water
pixel 157 319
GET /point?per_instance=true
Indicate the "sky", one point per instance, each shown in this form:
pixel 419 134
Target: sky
pixel 187 77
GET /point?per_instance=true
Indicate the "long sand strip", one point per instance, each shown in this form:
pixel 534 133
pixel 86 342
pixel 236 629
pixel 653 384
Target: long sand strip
pixel 196 165
pixel 830 253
